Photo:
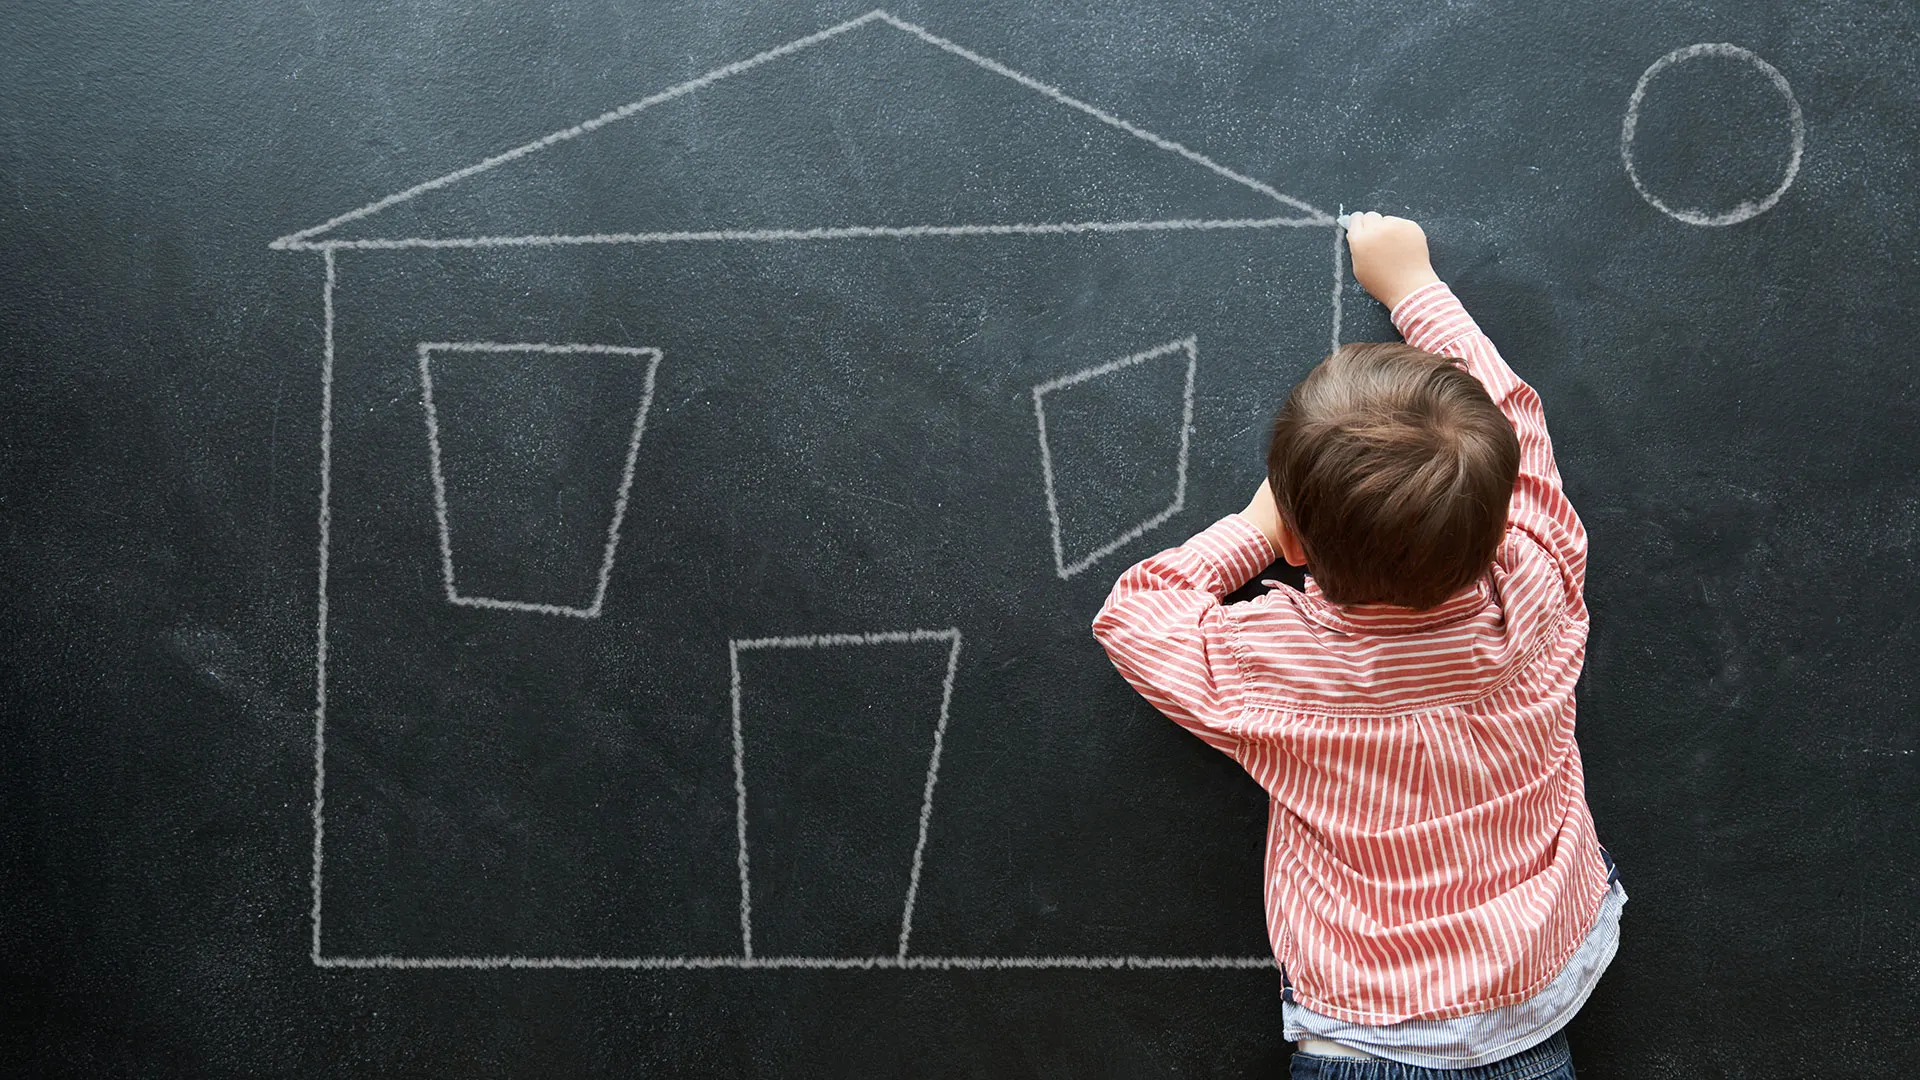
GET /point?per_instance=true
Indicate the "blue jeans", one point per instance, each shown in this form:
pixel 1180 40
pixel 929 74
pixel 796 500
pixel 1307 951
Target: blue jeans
pixel 1548 1061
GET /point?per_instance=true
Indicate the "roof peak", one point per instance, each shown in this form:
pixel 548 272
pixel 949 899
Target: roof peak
pixel 1292 211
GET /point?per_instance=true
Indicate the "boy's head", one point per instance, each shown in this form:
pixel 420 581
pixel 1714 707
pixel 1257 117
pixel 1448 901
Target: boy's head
pixel 1393 467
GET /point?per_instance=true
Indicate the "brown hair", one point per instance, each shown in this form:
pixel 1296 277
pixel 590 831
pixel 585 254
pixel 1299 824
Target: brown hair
pixel 1394 468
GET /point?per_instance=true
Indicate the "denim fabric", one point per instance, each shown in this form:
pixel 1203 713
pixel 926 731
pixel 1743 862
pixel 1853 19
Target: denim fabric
pixel 1547 1061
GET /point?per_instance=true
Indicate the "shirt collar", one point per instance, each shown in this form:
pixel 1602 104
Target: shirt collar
pixel 1388 618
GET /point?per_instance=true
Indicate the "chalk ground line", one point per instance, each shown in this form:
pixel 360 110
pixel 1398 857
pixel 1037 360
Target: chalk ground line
pixel 815 641
pixel 303 239
pixel 806 963
pixel 442 516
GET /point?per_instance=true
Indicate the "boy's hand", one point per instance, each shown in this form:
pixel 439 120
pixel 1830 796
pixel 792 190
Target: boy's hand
pixel 1265 514
pixel 1389 256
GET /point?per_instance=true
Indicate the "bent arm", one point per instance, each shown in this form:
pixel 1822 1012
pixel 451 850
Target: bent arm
pixel 1165 629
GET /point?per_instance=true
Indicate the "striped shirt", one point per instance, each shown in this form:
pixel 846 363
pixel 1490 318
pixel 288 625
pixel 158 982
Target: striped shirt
pixel 1430 853
pixel 1482 1038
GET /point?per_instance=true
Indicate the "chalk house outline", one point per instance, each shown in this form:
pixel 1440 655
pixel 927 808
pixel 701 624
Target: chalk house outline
pixel 1290 213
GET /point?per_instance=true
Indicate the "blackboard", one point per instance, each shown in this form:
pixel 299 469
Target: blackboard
pixel 559 541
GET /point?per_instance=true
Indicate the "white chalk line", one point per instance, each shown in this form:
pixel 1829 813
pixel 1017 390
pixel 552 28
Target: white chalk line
pixel 291 240
pixel 626 482
pixel 1319 217
pixel 805 963
pixel 818 641
pixel 1111 366
pixel 1123 539
pixel 836 232
pixel 740 805
pixel 320 622
pixel 815 641
pixel 538 347
pixel 1046 482
pixel 440 514
pixel 300 240
pixel 926 797
pixel 593 608
pixel 1339 282
pixel 1067 570
pixel 532 607
pixel 1748 208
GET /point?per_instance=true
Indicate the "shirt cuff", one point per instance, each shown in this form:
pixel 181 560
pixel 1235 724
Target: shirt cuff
pixel 1431 317
pixel 1235 549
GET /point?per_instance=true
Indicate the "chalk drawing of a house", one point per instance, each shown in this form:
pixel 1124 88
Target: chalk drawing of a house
pixel 631 431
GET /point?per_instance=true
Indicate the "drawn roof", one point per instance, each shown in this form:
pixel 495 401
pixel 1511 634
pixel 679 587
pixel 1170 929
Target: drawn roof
pixel 873 127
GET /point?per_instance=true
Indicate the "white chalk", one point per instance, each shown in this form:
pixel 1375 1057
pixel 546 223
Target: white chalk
pixel 1345 221
pixel 1796 124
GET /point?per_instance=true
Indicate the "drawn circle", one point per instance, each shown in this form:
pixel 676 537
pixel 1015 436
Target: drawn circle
pixel 1750 207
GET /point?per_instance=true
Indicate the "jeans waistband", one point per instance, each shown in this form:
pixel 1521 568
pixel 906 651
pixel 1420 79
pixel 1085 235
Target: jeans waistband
pixel 1549 1059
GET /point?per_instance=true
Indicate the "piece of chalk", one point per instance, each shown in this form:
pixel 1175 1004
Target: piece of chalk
pixel 1345 221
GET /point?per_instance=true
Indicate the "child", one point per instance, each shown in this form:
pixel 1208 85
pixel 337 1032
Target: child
pixel 1435 893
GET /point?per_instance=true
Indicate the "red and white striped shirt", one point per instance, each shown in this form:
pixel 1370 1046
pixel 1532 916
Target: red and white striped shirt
pixel 1429 848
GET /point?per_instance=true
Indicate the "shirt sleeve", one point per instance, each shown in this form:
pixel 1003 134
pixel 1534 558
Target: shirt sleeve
pixel 1432 319
pixel 1165 628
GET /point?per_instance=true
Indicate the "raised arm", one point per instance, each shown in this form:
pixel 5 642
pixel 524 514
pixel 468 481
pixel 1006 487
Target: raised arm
pixel 1390 259
pixel 1165 629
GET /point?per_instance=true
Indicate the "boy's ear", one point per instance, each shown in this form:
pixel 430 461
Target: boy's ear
pixel 1291 549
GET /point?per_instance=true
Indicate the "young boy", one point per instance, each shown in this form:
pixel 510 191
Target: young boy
pixel 1435 893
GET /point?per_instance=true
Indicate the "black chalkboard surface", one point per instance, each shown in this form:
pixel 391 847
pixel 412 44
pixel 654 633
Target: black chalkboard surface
pixel 559 541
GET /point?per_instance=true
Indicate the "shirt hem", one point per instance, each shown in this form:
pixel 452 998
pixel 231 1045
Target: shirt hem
pixel 1451 1012
pixel 1486 1056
